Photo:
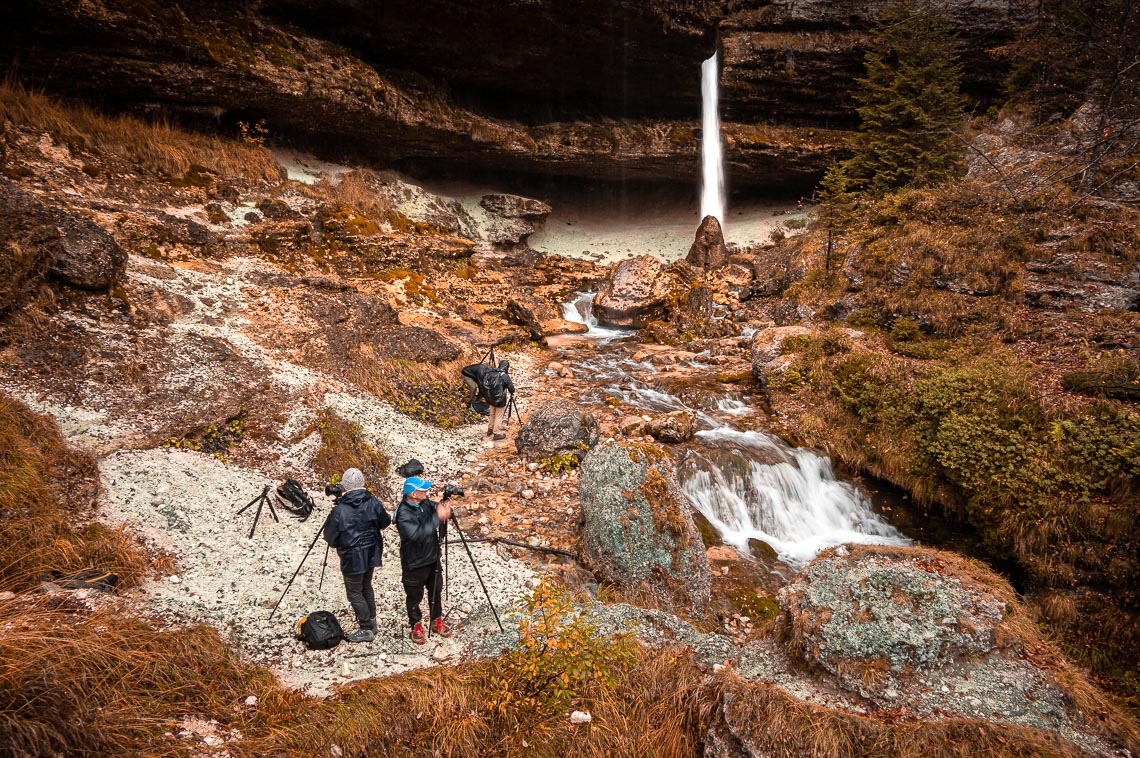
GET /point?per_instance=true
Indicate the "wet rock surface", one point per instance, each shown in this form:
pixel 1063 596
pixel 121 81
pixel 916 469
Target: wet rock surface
pixel 540 317
pixel 679 426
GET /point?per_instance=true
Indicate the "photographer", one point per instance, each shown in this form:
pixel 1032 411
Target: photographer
pixel 353 528
pixel 492 385
pixel 418 521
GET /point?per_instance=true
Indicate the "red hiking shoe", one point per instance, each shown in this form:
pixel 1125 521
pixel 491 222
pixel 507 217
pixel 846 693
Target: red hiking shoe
pixel 418 635
pixel 437 627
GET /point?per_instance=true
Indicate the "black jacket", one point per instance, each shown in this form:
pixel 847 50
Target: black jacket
pixel 477 371
pixel 353 528
pixel 419 534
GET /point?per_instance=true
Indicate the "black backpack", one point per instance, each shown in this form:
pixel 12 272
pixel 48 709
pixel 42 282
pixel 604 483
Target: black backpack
pixel 292 496
pixel 492 387
pixel 320 631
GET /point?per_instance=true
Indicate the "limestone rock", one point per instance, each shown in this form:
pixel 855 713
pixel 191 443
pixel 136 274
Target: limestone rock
pixel 678 426
pixel 635 292
pixel 893 610
pixel 557 428
pixel 540 317
pixel 639 532
pixel 708 250
pixel 88 257
pixel 515 206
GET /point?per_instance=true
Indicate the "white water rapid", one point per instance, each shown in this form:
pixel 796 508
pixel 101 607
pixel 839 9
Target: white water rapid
pixel 749 484
pixel 712 165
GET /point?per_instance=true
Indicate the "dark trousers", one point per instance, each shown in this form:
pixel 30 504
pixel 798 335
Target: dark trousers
pixel 414 581
pixel 358 587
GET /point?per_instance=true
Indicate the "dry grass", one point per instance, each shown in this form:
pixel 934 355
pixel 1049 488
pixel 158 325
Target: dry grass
pixel 431 392
pixel 343 446
pixel 154 147
pixel 47 491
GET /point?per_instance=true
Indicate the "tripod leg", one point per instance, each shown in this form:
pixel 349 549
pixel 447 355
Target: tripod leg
pixel 324 566
pixel 478 576
pixel 257 514
pixel 316 537
pixel 269 502
pixel 246 507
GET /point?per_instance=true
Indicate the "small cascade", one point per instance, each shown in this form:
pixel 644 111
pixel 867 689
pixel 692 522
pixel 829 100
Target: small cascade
pixel 712 164
pixel 751 485
pixel 581 311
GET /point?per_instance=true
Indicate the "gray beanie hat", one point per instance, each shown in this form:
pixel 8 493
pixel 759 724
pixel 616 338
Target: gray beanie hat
pixel 352 480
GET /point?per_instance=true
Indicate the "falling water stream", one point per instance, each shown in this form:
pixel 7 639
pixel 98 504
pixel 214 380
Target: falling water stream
pixel 748 483
pixel 712 165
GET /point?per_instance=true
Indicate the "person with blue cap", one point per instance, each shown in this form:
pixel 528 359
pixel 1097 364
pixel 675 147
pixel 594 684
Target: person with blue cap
pixel 353 528
pixel 419 521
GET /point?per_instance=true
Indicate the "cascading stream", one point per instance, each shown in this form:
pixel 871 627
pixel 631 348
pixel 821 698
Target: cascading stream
pixel 747 483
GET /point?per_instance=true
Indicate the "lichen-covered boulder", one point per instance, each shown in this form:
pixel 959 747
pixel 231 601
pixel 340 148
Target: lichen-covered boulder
pixel 557 428
pixel 678 426
pixel 872 615
pixel 639 532
pixel 88 257
pixel 767 349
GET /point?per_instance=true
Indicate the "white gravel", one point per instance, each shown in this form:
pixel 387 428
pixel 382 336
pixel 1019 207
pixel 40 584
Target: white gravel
pixel 186 503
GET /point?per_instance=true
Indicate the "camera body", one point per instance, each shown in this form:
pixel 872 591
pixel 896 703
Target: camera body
pixel 334 490
pixel 450 490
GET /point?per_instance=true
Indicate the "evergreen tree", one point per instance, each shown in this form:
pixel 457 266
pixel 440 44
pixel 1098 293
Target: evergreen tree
pixel 910 103
pixel 836 207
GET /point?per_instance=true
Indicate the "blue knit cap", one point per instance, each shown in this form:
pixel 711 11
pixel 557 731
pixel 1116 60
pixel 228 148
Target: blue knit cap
pixel 415 484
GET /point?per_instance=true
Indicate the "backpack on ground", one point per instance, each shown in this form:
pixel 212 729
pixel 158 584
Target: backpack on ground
pixel 320 631
pixel 492 387
pixel 293 498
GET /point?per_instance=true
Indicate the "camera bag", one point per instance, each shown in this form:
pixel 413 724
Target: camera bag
pixel 292 496
pixel 320 631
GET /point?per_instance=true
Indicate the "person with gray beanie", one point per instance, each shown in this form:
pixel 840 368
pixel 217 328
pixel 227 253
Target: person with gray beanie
pixel 353 528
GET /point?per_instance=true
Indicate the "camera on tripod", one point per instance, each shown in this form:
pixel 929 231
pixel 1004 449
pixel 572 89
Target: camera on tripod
pixel 450 490
pixel 334 490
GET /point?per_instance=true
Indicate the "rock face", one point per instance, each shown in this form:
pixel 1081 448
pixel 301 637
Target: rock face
pixel 28 241
pixel 767 349
pixel 875 618
pixel 708 250
pixel 639 532
pixel 540 317
pixel 557 429
pixel 88 257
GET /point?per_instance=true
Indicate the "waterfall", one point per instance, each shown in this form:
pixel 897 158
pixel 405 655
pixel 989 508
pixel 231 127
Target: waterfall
pixel 581 311
pixel 749 484
pixel 712 165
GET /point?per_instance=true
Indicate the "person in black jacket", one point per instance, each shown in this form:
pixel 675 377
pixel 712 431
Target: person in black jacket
pixel 479 377
pixel 418 520
pixel 353 528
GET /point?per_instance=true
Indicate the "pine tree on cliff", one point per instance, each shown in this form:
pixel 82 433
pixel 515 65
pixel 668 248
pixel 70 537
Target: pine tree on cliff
pixel 910 103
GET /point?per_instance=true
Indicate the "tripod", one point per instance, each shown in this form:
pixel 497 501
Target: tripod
pixel 261 500
pixel 316 537
pixel 470 557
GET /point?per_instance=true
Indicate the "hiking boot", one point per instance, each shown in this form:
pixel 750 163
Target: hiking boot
pixel 418 635
pixel 490 432
pixel 371 625
pixel 498 437
pixel 363 634
pixel 437 627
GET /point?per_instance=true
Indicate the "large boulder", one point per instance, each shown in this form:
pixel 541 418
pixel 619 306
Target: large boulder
pixel 637 291
pixel 557 428
pixel 540 317
pixel 29 239
pixel 876 617
pixel 708 250
pixel 88 257
pixel 767 349
pixel 639 532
